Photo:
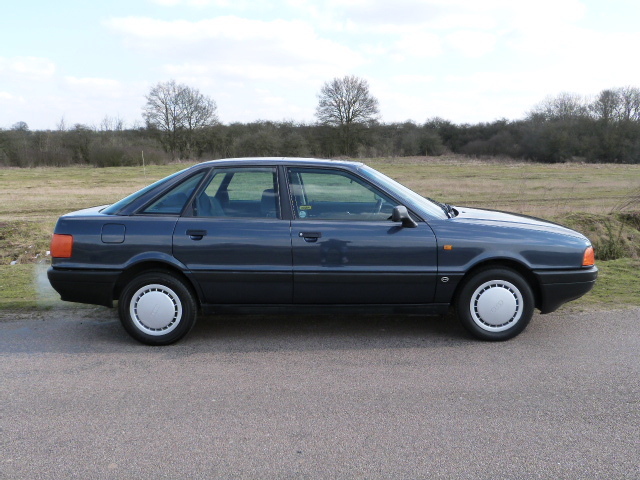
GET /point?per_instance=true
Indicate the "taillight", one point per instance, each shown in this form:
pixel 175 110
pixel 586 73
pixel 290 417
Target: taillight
pixel 61 246
pixel 589 257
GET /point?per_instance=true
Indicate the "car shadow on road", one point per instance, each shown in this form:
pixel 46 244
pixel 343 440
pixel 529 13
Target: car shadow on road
pixel 97 330
pixel 313 332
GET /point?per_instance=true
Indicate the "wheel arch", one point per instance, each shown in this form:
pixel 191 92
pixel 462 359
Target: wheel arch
pixel 518 267
pixel 153 266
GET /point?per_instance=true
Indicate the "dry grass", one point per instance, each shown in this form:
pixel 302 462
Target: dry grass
pixel 595 199
pixel 533 189
pixel 31 200
pixel 45 193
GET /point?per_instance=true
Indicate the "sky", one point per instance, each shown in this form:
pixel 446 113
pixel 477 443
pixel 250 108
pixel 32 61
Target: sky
pixel 467 61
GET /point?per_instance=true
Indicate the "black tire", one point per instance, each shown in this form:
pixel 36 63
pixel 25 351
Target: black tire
pixel 157 308
pixel 495 304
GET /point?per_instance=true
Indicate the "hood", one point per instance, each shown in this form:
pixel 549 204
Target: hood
pixel 511 220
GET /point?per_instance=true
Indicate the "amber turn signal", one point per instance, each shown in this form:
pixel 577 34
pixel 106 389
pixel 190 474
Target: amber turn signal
pixel 589 257
pixel 61 246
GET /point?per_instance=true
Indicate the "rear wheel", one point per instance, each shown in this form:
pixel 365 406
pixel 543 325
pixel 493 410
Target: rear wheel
pixel 157 308
pixel 495 304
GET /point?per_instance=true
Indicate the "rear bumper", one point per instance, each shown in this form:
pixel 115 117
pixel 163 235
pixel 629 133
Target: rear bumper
pixel 561 286
pixel 94 287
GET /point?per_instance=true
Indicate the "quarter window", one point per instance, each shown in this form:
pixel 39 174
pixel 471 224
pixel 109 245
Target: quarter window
pixel 174 201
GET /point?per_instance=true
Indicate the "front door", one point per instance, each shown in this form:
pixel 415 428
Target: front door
pixel 346 249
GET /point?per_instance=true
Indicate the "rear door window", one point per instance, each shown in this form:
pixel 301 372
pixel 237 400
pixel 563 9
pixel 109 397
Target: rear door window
pixel 240 192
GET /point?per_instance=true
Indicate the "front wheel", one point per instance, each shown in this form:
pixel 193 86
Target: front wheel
pixel 157 308
pixel 495 304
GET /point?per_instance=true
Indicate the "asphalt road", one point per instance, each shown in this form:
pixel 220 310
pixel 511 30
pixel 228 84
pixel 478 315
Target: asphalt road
pixel 320 398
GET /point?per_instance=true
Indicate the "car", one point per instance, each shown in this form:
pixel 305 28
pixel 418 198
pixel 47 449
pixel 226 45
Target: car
pixel 271 235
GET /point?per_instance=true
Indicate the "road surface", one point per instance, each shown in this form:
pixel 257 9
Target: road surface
pixel 319 397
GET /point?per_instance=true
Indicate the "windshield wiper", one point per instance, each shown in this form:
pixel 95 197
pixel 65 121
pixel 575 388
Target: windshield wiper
pixel 446 208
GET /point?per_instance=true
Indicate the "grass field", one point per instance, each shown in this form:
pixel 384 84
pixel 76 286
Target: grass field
pixel 602 201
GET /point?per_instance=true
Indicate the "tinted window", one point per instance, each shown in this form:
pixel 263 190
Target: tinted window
pixel 172 202
pixel 116 207
pixel 333 194
pixel 240 192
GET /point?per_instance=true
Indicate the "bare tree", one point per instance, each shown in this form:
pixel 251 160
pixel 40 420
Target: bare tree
pixel 606 106
pixel 20 127
pixel 565 106
pixel 617 105
pixel 111 124
pixel 177 111
pixel 629 103
pixel 346 102
pixel 61 125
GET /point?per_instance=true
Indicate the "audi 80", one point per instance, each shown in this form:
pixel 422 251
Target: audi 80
pixel 269 235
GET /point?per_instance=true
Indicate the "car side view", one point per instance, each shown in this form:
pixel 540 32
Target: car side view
pixel 267 235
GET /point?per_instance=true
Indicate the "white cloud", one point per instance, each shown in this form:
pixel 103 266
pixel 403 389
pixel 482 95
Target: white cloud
pixel 94 83
pixel 400 80
pixel 417 45
pixel 31 67
pixel 453 14
pixel 472 43
pixel 193 3
pixel 238 48
pixel 295 37
pixel 228 27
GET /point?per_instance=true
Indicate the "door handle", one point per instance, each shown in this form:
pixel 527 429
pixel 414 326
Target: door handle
pixel 310 237
pixel 196 234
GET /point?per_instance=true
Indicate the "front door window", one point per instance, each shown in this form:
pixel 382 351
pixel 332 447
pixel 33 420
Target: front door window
pixel 336 195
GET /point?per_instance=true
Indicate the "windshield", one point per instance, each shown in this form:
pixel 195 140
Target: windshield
pixel 425 204
pixel 116 207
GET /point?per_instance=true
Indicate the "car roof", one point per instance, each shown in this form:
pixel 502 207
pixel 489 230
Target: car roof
pixel 291 161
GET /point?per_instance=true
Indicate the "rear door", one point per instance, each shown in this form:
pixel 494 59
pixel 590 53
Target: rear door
pixel 346 249
pixel 235 242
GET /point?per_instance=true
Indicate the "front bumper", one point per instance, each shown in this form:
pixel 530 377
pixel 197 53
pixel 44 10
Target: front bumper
pixel 94 287
pixel 560 286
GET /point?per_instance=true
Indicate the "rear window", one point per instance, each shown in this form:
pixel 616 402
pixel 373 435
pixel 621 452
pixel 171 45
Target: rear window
pixel 116 207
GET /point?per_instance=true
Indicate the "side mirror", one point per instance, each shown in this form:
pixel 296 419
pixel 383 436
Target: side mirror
pixel 401 214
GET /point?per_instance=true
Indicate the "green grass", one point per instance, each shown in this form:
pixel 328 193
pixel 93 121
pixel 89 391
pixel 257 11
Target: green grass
pixel 618 285
pixel 17 288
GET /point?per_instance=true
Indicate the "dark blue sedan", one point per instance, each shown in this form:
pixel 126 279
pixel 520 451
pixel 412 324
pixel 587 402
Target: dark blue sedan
pixel 264 235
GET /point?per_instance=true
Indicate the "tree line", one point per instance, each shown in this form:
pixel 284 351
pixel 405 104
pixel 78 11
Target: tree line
pixel 182 123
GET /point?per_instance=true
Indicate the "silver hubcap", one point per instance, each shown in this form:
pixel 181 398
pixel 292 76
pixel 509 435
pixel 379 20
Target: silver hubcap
pixel 156 309
pixel 496 305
